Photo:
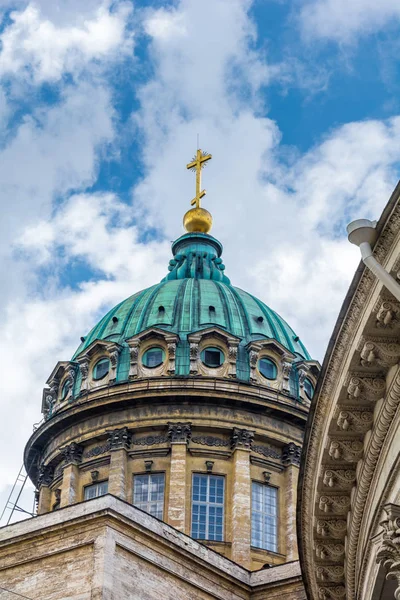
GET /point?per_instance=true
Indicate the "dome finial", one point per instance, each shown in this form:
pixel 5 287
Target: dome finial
pixel 198 219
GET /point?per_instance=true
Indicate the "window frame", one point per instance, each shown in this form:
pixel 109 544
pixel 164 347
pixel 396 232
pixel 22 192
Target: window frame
pixel 152 473
pixel 103 358
pixel 209 476
pixel 271 360
pixel 264 547
pixel 215 348
pixel 93 485
pixel 163 354
pixel 308 380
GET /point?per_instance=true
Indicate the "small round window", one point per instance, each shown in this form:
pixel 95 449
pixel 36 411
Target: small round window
pixel 267 368
pixel 153 357
pixel 101 368
pixel 308 388
pixel 65 389
pixel 212 357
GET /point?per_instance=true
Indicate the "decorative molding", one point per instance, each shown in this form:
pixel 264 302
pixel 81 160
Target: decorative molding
pixel 329 550
pixel 97 450
pixel 347 450
pixel 330 573
pixel 370 388
pixel 332 528
pixel 179 433
pixel 291 454
pixel 119 439
pixel 336 592
pixel 46 474
pixel 354 419
pixel 266 451
pixel 150 440
pixel 334 504
pixel 83 363
pixel 72 454
pixel 387 313
pixel 381 352
pixel 194 356
pixel 242 438
pixel 341 479
pixel 209 440
pixel 113 356
pixel 134 346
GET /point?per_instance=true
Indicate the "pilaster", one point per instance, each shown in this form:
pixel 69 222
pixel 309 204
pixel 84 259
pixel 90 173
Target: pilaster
pixel 119 440
pixel 44 481
pixel 70 483
pixel 241 497
pixel 179 435
pixel 291 459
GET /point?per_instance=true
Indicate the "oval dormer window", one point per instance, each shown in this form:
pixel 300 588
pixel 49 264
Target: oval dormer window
pixel 267 368
pixel 101 368
pixel 213 357
pixel 153 357
pixel 308 388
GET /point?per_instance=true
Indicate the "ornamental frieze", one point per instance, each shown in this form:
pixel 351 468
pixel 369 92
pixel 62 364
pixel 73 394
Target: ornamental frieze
pixel 97 451
pixel 334 504
pixel 150 440
pixel 209 440
pixel 339 478
pixel 355 420
pixel 266 451
pixel 347 450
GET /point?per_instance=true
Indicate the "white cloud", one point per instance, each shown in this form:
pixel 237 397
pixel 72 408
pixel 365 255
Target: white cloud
pixel 344 20
pixel 44 51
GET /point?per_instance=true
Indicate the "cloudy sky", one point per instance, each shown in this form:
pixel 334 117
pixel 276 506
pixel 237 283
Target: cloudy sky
pixel 101 102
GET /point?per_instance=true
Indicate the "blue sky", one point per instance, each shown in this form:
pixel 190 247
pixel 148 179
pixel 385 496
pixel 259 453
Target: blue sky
pixel 100 105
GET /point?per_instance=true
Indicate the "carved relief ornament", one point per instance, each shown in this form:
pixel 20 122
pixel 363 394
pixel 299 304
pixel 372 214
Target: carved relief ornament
pixel 389 552
pixel 179 432
pixel 242 438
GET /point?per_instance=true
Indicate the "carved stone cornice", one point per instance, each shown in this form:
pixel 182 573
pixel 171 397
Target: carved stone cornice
pixel 329 550
pixel 242 438
pixel 333 573
pixel 362 387
pixel 335 592
pixel 72 454
pixel 379 352
pixel 339 505
pixel 291 454
pixel 355 419
pixel 332 528
pixel 387 313
pixel 179 433
pixel 346 450
pixel 341 479
pixel 119 439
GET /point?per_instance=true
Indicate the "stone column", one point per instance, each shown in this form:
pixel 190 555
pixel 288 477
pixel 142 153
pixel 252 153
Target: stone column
pixel 291 459
pixel 241 497
pixel 179 435
pixel 120 441
pixel 70 482
pixel 44 482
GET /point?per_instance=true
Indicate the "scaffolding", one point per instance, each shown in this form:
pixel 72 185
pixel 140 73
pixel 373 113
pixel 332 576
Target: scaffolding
pixel 12 504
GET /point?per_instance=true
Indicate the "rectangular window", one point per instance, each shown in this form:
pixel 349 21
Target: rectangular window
pixel 148 493
pixel 95 490
pixel 264 516
pixel 208 507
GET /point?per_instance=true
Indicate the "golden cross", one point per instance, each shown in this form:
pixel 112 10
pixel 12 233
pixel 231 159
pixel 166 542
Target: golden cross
pixel 196 165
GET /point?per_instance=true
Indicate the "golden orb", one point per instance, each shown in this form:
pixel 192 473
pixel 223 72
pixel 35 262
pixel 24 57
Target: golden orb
pixel 197 220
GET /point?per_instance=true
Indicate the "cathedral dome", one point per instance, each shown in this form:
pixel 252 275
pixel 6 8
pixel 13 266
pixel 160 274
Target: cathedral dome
pixel 196 295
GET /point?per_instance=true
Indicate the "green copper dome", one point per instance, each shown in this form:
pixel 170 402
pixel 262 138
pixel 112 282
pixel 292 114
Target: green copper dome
pixel 195 295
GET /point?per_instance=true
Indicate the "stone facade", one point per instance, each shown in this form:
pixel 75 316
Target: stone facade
pixel 106 549
pixel 349 500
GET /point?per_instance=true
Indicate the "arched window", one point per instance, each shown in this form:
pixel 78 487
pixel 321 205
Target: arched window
pixel 101 368
pixel 308 388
